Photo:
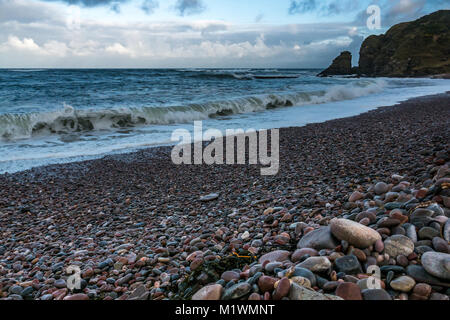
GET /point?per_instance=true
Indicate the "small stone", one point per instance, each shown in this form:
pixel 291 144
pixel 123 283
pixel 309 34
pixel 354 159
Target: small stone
pixel 355 196
pixel 422 290
pixel 297 292
pixel 403 284
pixel 60 283
pixel 348 264
pixel 299 253
pixel 237 291
pixel 428 233
pixel 302 272
pixel 437 264
pixel 398 245
pixel 77 296
pixel 411 233
pixel 210 292
pixel 381 188
pixel 278 255
pixel 354 233
pixel 318 239
pixel 379 246
pixel 196 263
pixel 254 297
pixel 419 274
pixel 282 289
pixel 266 283
pixel 15 289
pixel 209 197
pixel 446 231
pixel 270 267
pixel 301 281
pixel 376 294
pixel 439 296
pixel 230 275
pixel 316 264
pixel 138 292
pixel 349 291
pixel 440 245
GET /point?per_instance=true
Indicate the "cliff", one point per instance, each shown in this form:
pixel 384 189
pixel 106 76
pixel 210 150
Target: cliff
pixel 411 49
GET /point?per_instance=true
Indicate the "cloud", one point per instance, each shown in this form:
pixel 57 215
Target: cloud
pixel 114 5
pixel 90 3
pixel 302 6
pixel 259 17
pixel 149 6
pixel 189 7
pixel 28 45
pixel 396 11
pixel 324 7
pixel 26 12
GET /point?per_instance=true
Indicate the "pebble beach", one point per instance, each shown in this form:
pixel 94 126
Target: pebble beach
pixel 351 193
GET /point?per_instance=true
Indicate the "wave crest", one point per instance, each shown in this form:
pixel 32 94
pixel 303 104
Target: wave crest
pixel 69 119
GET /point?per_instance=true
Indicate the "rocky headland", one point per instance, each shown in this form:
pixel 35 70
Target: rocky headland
pixel 412 49
pixel 369 190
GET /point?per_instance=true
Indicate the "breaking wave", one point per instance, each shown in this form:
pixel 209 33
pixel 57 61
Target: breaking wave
pixel 69 119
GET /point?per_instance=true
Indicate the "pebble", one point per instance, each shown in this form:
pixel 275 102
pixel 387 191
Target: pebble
pixel 354 233
pixel 230 275
pixel 318 239
pixel 446 231
pixel 375 294
pixel 440 245
pixel 437 264
pixel 77 296
pixel 403 284
pixel 301 281
pixel 419 274
pixel 316 264
pixel 266 283
pixel 237 291
pixel 428 233
pixel 277 255
pixel 349 291
pixel 355 196
pixel 282 289
pixel 381 188
pixel 299 253
pixel 209 197
pixel 297 292
pixel 210 292
pixel 398 245
pixel 348 265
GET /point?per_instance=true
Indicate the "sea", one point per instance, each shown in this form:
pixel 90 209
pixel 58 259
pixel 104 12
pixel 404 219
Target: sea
pixel 50 116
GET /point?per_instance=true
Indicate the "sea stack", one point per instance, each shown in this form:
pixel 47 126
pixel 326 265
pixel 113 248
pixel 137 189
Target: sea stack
pixel 342 65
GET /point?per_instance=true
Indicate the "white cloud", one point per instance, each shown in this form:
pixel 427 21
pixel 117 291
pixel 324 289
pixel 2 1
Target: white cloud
pixel 48 40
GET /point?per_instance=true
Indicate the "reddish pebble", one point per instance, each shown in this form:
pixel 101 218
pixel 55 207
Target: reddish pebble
pixel 282 289
pixel 266 283
pixel 77 296
pixel 349 291
pixel 254 297
pixel 379 246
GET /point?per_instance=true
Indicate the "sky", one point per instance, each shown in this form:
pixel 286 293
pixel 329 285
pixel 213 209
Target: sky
pixel 192 33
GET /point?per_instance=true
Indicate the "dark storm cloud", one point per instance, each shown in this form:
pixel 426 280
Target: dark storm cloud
pixel 188 7
pixel 149 6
